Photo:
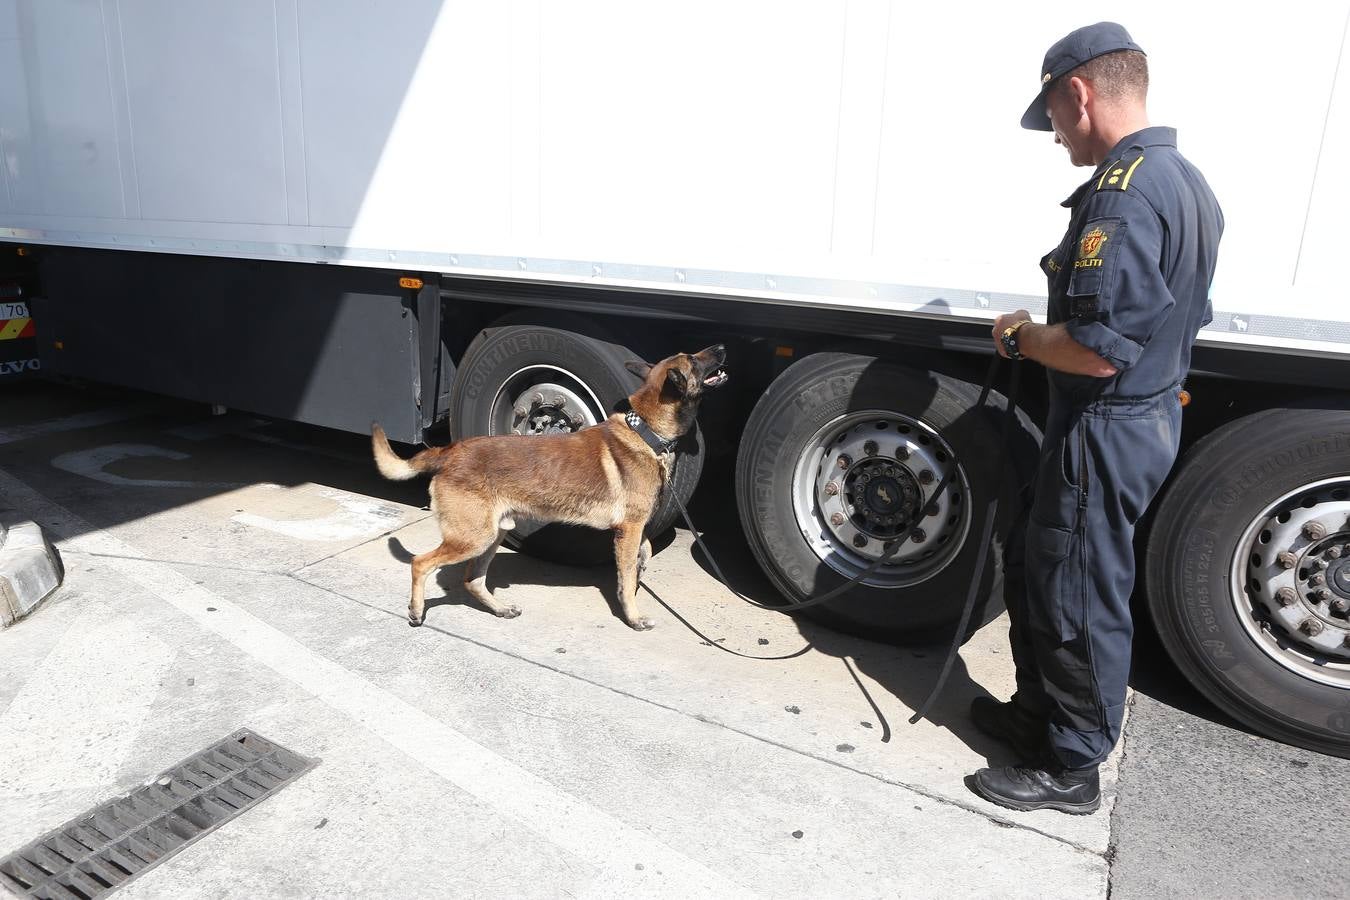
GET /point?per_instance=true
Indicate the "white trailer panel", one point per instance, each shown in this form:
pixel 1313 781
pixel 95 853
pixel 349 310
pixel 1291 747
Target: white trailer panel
pixel 862 154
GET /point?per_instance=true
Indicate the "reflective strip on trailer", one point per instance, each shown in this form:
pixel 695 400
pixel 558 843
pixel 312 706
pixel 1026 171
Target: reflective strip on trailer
pixel 16 328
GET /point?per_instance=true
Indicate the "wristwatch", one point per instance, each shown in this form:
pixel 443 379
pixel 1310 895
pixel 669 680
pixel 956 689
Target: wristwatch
pixel 1009 339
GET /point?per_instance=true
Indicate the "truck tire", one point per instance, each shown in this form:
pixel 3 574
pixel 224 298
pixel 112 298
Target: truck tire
pixel 898 430
pixel 563 381
pixel 1251 531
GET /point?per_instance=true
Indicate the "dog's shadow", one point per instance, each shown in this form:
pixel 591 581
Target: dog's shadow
pixel 509 568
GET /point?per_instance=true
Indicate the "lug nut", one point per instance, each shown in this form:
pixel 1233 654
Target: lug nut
pixel 1286 596
pixel 920 535
pixel 845 461
pixel 1310 627
pixel 859 541
pixel 1286 559
pixel 1340 605
pixel 1314 531
pixel 870 448
pixel 1320 564
pixel 1322 595
pixel 902 452
pixel 521 411
pixel 831 489
pixel 1333 552
pixel 837 519
pixel 926 477
pixel 1317 579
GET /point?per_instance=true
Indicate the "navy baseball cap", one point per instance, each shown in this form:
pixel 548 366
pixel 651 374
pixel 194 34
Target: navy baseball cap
pixel 1067 54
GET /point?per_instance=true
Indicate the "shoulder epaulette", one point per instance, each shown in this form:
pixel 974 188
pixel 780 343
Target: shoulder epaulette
pixel 1116 177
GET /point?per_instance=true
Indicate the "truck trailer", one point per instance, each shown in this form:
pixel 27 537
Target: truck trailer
pixel 467 216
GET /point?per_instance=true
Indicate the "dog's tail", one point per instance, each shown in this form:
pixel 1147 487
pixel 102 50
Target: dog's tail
pixel 395 467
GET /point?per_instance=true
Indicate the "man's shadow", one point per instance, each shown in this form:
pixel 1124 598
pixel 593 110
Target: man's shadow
pixel 909 673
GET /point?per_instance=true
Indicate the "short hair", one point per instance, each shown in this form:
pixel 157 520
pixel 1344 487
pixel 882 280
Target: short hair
pixel 1120 75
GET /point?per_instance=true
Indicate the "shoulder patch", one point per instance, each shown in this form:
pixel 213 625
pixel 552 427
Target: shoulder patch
pixel 1091 241
pixel 1116 177
pixel 1096 253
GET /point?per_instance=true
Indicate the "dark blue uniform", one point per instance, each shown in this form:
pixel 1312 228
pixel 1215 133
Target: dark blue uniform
pixel 1130 280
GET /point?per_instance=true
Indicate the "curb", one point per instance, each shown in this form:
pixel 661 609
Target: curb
pixel 29 571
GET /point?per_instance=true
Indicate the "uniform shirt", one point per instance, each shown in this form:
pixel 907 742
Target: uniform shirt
pixel 1131 277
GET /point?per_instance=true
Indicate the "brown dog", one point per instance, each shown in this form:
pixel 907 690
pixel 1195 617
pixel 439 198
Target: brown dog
pixel 607 476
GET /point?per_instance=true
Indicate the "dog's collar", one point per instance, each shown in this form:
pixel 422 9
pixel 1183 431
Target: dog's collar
pixel 658 444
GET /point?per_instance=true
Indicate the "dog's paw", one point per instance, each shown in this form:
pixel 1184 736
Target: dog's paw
pixel 414 621
pixel 509 612
pixel 642 624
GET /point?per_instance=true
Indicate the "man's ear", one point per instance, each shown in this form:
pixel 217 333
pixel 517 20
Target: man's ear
pixel 1079 90
pixel 676 382
pixel 638 368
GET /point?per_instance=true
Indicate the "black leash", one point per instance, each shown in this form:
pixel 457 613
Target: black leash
pixel 893 547
pixel 1014 384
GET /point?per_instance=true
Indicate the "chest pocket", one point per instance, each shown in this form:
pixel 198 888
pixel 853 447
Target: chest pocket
pixel 1095 255
pixel 1050 264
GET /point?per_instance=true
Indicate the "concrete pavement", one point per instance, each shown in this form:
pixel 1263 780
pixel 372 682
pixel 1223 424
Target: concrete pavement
pixel 215 582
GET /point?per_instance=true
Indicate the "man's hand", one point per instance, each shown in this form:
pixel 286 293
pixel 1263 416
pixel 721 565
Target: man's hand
pixel 1052 346
pixel 1003 322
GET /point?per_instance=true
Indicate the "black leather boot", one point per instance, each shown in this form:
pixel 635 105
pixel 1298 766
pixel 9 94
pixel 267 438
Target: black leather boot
pixel 1073 791
pixel 1024 731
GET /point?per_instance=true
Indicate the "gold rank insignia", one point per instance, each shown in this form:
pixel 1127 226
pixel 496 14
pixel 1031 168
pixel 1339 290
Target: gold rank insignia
pixel 1117 175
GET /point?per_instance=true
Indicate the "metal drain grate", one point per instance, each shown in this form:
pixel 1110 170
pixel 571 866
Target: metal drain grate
pixel 98 852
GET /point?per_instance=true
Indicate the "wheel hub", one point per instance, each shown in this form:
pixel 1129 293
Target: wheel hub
pixel 549 408
pixel 1297 578
pixel 864 481
pixel 1338 578
pixel 885 497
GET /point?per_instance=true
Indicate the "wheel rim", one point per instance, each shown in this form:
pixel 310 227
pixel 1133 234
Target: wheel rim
pixel 1291 581
pixel 863 480
pixel 543 400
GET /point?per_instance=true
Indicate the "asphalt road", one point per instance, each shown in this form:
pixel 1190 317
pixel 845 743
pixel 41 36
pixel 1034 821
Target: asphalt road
pixel 224 572
pixel 1208 809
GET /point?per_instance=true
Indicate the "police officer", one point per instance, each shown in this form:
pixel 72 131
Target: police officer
pixel 1128 290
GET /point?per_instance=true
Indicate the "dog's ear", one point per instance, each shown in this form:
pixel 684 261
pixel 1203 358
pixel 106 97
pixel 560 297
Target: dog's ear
pixel 638 368
pixel 677 382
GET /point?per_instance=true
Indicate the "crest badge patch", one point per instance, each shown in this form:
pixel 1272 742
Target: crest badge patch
pixel 1091 244
pixel 1094 243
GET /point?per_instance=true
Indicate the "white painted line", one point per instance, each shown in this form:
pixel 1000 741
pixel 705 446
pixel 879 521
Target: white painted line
pixel 71 423
pixel 91 463
pixel 612 847
pixel 355 517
